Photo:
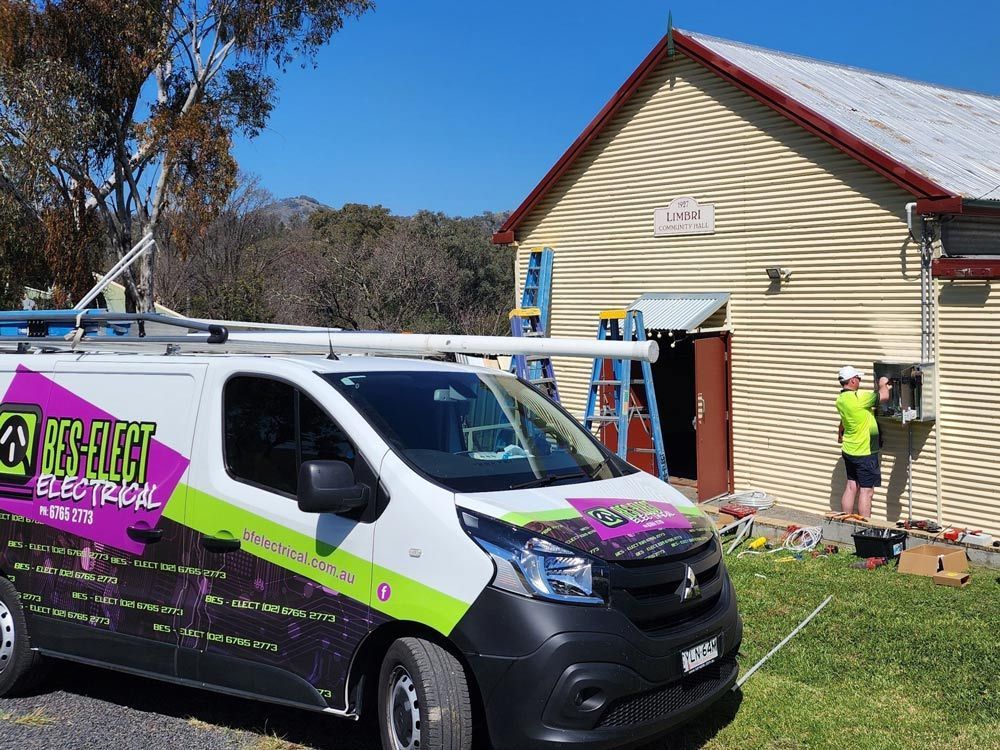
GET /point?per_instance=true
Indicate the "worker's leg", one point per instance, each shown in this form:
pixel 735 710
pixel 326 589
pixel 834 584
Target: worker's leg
pixel 847 499
pixel 865 501
pixel 869 477
pixel 851 489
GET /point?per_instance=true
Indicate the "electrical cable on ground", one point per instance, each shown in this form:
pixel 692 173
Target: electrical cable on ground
pixel 799 540
pixel 753 498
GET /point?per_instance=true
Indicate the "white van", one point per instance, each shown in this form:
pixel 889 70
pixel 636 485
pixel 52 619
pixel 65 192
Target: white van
pixel 434 544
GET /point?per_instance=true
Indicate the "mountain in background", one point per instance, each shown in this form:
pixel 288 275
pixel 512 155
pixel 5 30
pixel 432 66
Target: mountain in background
pixel 292 210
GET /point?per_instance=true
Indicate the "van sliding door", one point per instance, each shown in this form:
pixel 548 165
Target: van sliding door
pixel 284 599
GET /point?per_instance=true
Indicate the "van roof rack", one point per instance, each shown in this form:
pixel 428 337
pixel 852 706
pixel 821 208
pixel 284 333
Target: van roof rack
pixel 44 328
pixel 81 330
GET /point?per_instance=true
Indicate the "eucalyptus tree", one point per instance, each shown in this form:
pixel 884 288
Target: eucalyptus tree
pixel 131 105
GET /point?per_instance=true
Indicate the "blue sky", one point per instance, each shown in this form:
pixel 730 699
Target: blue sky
pixel 462 107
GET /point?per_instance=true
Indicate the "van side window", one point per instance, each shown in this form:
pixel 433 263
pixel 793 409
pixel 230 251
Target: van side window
pixel 321 439
pixel 271 428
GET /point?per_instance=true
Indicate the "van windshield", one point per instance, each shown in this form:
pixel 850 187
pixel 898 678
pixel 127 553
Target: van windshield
pixel 477 432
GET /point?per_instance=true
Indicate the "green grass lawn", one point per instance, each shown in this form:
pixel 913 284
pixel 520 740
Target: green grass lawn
pixel 894 661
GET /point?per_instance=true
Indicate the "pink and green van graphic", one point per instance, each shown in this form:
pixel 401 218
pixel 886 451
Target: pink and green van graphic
pixel 81 469
pixel 620 528
pixel 615 517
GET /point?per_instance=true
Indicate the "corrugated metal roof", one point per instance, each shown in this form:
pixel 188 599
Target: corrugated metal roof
pixel 950 136
pixel 678 311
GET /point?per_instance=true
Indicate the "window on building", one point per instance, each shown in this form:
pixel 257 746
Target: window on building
pixel 271 427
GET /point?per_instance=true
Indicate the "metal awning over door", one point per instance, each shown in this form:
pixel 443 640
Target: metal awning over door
pixel 678 311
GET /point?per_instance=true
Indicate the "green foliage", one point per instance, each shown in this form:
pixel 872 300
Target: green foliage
pixel 426 273
pixel 353 226
pixel 135 103
pixel 21 261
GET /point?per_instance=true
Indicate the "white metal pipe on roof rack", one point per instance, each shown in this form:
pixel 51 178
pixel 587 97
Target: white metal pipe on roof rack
pixel 300 340
pixel 419 343
pixel 126 260
pixel 251 325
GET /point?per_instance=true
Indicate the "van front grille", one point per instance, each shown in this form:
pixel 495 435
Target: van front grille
pixel 649 592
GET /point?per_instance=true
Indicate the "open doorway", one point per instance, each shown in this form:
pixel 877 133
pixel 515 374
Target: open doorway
pixel 673 380
pixel 691 380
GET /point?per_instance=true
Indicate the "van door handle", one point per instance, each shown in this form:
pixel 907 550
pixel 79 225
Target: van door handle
pixel 144 535
pixel 220 544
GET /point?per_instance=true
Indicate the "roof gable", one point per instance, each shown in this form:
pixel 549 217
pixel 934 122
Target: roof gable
pixel 913 152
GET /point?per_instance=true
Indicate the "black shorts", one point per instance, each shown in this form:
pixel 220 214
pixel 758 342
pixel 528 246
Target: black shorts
pixel 864 470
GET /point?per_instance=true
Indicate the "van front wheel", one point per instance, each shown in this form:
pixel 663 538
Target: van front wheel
pixel 423 698
pixel 18 663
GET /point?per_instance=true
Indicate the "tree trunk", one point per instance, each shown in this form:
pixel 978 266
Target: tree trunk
pixel 138 277
pixel 144 273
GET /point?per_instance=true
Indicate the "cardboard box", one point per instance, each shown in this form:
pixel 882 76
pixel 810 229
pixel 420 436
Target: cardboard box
pixel 952 578
pixel 931 559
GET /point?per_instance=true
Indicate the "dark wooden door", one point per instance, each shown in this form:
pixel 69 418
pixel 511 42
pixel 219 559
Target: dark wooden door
pixel 711 416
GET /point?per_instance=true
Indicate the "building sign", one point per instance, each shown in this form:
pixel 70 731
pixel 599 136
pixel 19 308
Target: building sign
pixel 684 216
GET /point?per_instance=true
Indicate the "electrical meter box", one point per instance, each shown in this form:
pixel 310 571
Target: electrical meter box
pixel 912 396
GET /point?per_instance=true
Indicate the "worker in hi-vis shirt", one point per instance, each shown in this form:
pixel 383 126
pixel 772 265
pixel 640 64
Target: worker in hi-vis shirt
pixel 859 439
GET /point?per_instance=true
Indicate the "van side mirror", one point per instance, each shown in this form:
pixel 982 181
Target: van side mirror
pixel 329 487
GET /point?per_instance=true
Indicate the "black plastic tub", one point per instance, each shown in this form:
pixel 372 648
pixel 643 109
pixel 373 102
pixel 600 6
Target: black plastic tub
pixel 888 543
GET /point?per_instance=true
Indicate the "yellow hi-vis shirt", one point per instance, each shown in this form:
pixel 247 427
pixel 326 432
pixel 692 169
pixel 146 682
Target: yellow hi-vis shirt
pixel 860 427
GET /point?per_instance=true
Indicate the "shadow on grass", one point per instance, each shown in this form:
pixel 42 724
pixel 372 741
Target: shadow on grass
pixel 697 732
pixel 312 730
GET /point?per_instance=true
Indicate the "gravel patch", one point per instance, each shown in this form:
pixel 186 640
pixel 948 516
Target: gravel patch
pixel 86 707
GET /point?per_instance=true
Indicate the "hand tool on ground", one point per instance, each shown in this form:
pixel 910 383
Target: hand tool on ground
pixel 920 524
pixel 870 563
pixel 844 517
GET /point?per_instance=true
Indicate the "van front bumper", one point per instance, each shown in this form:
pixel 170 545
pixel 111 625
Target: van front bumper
pixel 598 682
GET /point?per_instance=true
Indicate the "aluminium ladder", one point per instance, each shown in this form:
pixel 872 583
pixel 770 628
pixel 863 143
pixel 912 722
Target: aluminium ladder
pixel 532 319
pixel 621 406
pixel 535 368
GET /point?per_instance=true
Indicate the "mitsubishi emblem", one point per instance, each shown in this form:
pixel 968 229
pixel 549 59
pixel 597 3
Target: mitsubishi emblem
pixel 689 588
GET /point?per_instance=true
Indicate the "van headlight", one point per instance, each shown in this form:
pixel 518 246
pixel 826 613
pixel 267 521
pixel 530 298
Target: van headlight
pixel 532 565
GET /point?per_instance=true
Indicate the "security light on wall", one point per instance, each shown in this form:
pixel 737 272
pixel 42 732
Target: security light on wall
pixel 776 273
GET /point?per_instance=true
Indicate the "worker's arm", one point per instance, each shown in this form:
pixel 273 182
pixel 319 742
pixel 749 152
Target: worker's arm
pixel 883 389
pixel 840 433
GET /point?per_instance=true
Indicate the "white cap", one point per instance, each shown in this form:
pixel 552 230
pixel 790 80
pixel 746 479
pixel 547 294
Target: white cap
pixel 847 372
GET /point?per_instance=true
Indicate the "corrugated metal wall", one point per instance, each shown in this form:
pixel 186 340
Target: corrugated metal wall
pixel 969 374
pixel 782 197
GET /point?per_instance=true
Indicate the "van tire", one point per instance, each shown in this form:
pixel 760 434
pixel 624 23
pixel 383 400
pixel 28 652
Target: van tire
pixel 423 698
pixel 19 669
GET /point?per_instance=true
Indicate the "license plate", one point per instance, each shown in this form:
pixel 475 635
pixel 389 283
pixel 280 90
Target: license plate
pixel 700 655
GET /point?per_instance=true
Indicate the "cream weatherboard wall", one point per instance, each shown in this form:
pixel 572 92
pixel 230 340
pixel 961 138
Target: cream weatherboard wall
pixel 782 197
pixel 968 338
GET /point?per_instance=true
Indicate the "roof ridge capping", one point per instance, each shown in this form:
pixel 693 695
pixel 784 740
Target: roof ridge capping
pixel 864 147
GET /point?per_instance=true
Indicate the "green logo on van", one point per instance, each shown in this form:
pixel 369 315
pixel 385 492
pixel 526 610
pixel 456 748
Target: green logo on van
pixel 606 517
pixel 19 428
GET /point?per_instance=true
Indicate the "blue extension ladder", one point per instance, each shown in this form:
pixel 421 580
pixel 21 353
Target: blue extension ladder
pixel 536 369
pixel 616 398
pixel 532 319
